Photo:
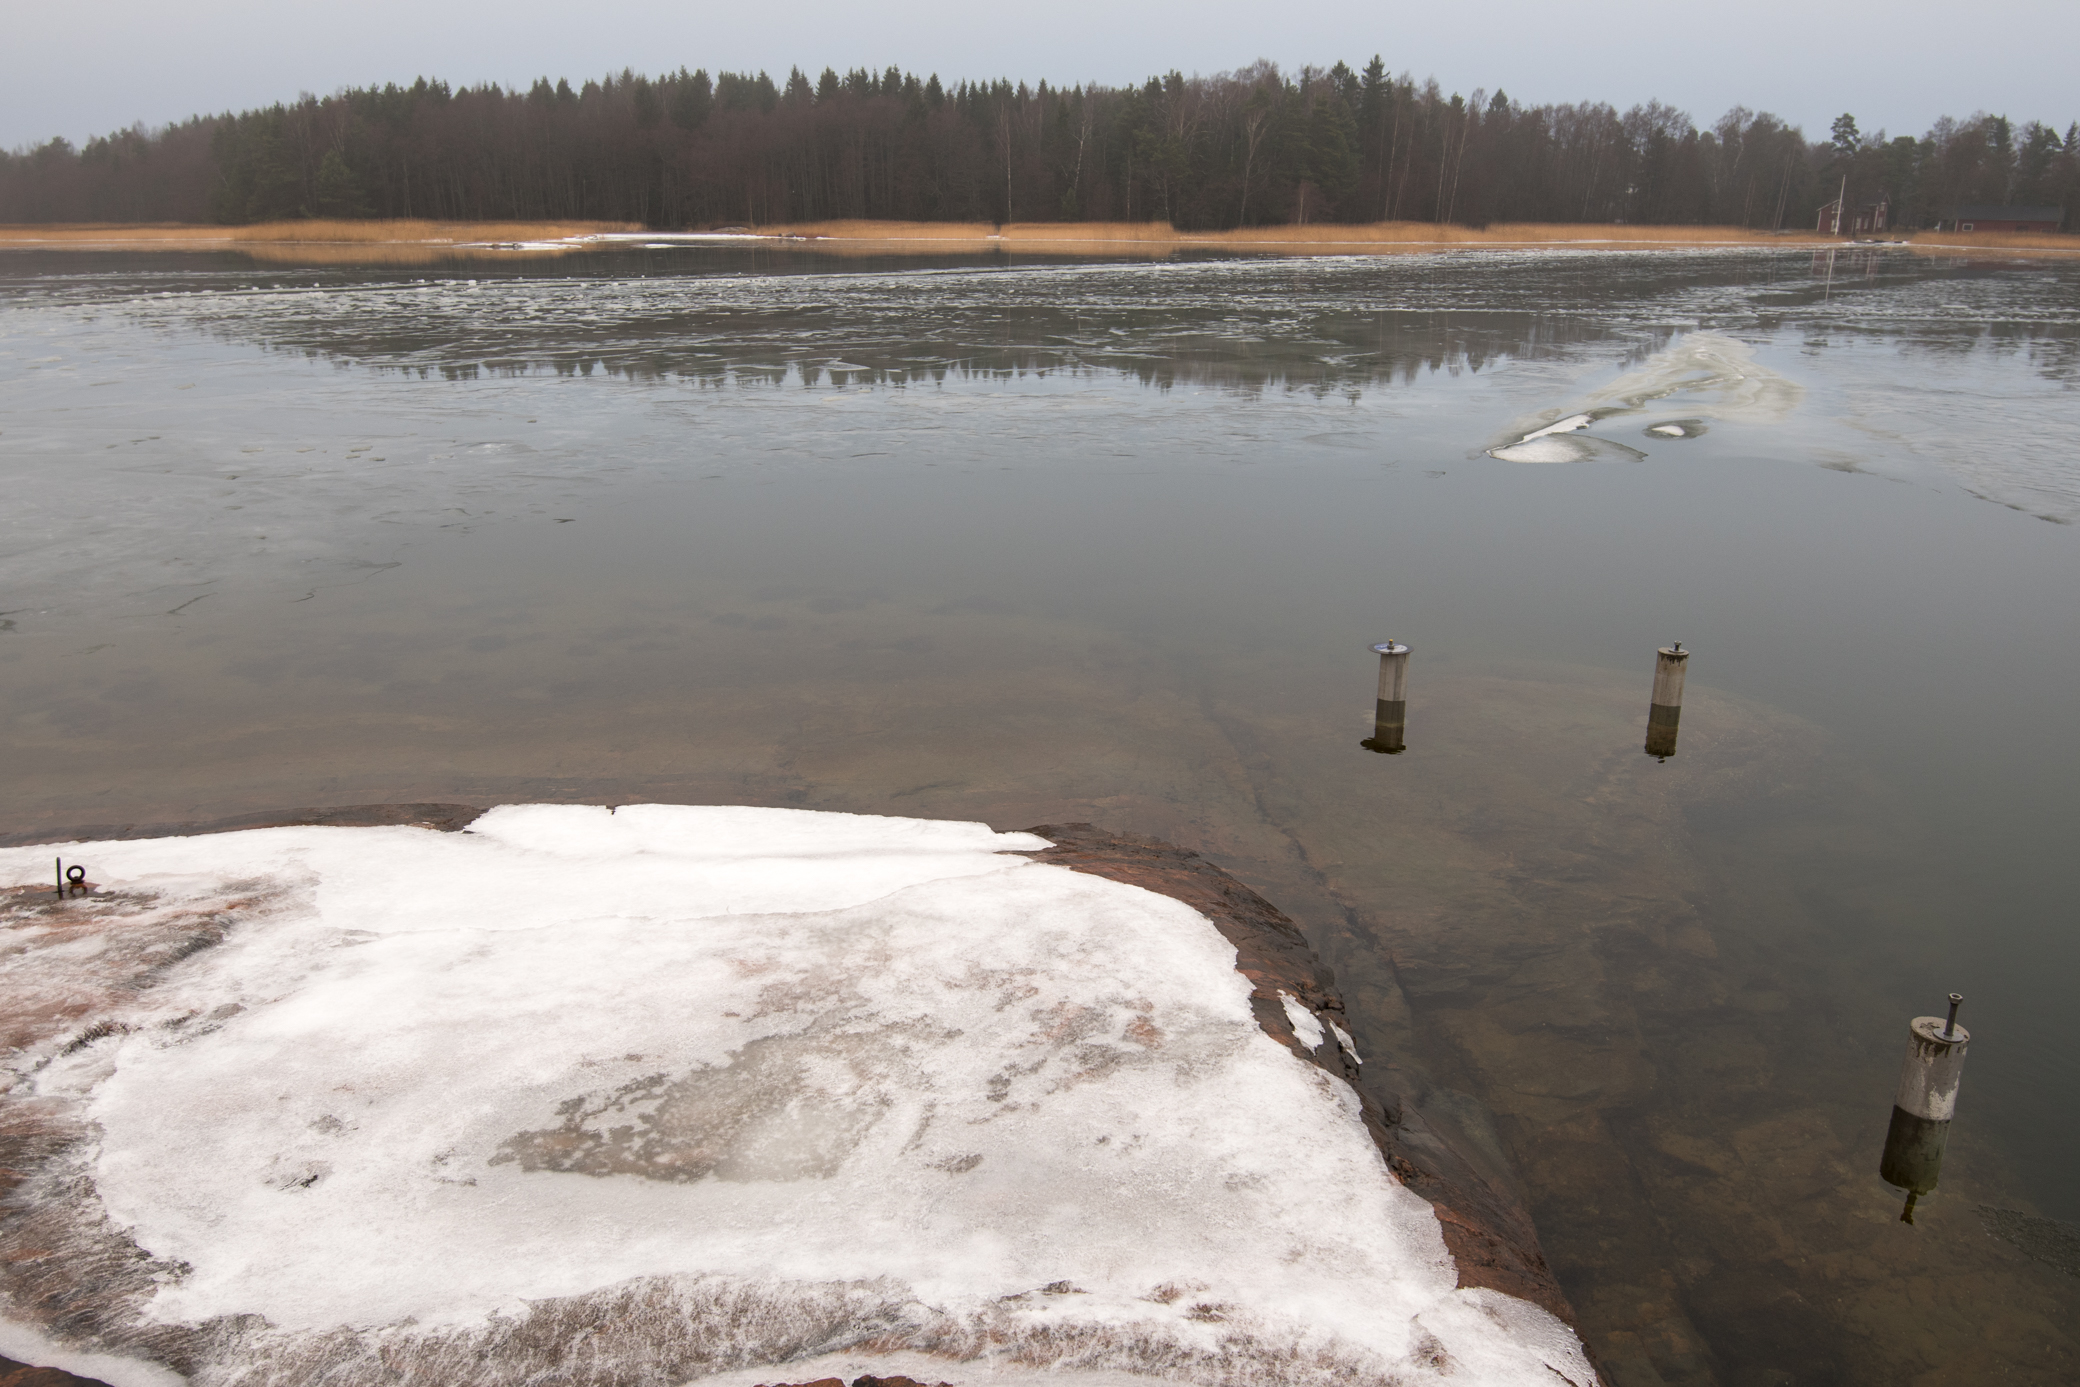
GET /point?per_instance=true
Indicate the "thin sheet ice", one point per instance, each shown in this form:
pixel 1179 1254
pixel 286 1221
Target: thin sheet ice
pixel 713 1089
pixel 1716 375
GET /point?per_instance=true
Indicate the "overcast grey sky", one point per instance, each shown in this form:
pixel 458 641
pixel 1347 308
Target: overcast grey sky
pixel 90 66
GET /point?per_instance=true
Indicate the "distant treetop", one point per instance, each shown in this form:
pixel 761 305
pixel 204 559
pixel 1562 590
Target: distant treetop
pixel 1257 146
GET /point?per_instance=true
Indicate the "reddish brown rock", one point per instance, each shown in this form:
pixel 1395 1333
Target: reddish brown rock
pixel 13 1374
pixel 1489 1234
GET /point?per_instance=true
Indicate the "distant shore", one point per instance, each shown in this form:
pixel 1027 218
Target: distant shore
pixel 323 242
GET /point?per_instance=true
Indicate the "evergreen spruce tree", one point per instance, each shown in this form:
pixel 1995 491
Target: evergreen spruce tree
pixel 337 192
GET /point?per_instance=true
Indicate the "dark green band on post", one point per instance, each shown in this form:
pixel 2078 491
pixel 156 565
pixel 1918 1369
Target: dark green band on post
pixel 1913 1152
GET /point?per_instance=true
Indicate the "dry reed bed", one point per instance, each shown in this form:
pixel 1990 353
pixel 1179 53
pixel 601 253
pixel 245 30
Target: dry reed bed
pixel 925 237
pixel 320 242
pixel 177 236
pixel 1995 240
pixel 935 235
pixel 1163 234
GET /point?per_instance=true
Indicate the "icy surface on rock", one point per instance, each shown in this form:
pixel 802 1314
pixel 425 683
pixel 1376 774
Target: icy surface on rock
pixel 1343 1038
pixel 26 1345
pixel 733 1087
pixel 1307 1027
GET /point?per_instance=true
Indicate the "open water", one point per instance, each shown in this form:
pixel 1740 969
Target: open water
pixel 1040 541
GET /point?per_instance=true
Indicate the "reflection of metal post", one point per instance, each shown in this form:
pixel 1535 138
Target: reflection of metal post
pixel 1667 708
pixel 1924 1105
pixel 1390 717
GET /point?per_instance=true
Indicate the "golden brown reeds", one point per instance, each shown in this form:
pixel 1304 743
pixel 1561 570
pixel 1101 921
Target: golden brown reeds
pixel 273 240
pixel 1101 237
pixel 1518 234
pixel 1997 240
pixel 318 253
pixel 866 237
pixel 938 233
pixel 423 242
pixel 428 232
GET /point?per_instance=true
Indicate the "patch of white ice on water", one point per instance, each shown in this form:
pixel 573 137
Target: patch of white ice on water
pixel 735 1087
pixel 1714 375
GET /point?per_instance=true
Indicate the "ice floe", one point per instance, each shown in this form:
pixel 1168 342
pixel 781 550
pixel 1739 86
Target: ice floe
pixel 1548 444
pixel 1714 375
pixel 708 1091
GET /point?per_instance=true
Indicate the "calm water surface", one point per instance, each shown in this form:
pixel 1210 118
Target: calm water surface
pixel 1036 541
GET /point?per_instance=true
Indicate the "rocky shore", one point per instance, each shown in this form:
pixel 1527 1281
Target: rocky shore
pixel 1294 999
pixel 1490 1235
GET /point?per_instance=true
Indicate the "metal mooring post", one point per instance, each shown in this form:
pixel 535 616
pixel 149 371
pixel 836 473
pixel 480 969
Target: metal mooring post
pixel 1667 708
pixel 1924 1105
pixel 1390 714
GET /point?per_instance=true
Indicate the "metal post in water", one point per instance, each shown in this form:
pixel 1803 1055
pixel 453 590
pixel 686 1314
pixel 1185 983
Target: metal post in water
pixel 1924 1105
pixel 1667 708
pixel 1390 715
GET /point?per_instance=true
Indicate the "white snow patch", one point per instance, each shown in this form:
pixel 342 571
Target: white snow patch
pixel 925 1368
pixel 1567 425
pixel 1544 450
pixel 794 1080
pixel 1343 1038
pixel 28 1345
pixel 1544 445
pixel 1714 375
pixel 1307 1028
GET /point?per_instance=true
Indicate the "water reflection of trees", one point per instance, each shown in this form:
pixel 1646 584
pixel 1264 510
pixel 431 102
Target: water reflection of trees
pixel 1373 350
pixel 1245 325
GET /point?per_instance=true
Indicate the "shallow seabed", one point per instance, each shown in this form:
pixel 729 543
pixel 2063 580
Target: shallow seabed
pixel 1022 542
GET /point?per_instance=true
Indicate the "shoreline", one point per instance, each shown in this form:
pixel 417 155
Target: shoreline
pixel 339 242
pixel 1491 1236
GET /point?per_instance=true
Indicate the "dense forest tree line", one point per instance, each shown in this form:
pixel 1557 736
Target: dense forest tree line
pixel 1254 147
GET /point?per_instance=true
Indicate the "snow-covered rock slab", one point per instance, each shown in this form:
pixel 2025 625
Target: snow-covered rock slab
pixel 665 1094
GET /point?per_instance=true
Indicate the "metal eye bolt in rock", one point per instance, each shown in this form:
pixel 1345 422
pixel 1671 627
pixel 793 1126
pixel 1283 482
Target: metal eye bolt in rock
pixel 1924 1105
pixel 1667 708
pixel 1390 716
pixel 72 881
